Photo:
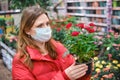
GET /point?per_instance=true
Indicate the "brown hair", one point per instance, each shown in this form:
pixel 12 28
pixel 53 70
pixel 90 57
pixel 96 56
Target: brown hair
pixel 28 18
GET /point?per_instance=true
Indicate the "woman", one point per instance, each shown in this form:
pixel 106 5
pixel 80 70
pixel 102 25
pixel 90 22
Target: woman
pixel 39 57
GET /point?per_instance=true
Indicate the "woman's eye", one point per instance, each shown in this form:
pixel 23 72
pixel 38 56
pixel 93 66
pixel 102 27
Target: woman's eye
pixel 48 24
pixel 40 26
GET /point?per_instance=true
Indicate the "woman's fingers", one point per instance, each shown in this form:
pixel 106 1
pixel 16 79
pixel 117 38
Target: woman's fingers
pixel 78 75
pixel 76 71
pixel 78 68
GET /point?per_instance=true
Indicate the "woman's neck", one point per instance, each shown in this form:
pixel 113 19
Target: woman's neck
pixel 42 47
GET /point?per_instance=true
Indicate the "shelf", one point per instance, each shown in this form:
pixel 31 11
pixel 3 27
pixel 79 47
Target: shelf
pixel 76 14
pixel 94 0
pixel 87 15
pixel 10 12
pixel 71 1
pixel 95 8
pixel 89 8
pixel 7 48
pixel 116 8
pixel 117 17
pixel 98 24
pixel 75 7
pixel 116 26
pixel 95 15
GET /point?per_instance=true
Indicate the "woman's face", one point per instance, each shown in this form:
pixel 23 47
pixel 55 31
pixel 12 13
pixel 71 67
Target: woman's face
pixel 41 21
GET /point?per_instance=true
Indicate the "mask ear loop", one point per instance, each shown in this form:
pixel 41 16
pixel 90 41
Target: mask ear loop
pixel 28 35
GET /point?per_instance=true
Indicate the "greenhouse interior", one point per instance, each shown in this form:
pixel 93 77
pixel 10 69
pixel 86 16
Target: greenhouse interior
pixel 75 40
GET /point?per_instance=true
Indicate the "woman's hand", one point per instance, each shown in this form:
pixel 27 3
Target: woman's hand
pixel 76 71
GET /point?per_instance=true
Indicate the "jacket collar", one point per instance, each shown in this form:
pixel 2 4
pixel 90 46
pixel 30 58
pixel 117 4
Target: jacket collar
pixel 35 54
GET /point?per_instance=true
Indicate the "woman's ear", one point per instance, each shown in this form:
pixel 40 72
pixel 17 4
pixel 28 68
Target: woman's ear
pixel 28 33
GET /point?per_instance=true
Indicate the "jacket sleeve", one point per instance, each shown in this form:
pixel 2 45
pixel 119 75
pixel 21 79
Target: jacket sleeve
pixel 20 71
pixel 60 76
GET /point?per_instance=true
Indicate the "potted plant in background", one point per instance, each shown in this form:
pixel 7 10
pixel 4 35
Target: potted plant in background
pixel 58 27
pixel 21 4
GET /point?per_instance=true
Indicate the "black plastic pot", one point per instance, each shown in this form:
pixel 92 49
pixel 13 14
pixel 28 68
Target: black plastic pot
pixel 89 64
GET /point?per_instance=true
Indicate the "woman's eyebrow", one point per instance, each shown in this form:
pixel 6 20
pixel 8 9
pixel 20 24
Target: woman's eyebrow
pixel 39 25
pixel 42 23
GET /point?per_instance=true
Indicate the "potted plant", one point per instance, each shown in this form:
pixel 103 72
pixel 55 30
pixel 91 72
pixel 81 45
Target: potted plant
pixel 81 42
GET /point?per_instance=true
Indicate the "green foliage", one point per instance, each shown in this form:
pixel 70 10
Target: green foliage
pixel 59 35
pixel 21 4
pixel 81 45
pixel 2 22
pixel 108 43
pixel 10 40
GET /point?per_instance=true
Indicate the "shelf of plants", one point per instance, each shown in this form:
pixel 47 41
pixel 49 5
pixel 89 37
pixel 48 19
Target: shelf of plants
pixel 7 39
pixel 96 11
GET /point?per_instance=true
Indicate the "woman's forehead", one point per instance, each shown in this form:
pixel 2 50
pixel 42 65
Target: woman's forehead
pixel 41 19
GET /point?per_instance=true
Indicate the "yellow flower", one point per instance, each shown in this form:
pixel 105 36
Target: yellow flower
pixel 115 67
pixel 103 62
pixel 95 58
pixel 97 64
pixel 100 66
pixel 108 66
pixel 118 65
pixel 97 70
pixel 92 78
pixel 115 61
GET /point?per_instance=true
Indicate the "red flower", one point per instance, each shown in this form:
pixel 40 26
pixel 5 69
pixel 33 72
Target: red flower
pixel 58 29
pixel 87 28
pixel 75 33
pixel 68 25
pixel 90 30
pixel 92 24
pixel 80 25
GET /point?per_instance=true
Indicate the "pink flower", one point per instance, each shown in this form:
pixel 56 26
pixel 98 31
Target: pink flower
pixel 110 75
pixel 69 25
pixel 11 40
pixel 106 69
pixel 111 31
pixel 75 33
pixel 109 56
pixel 108 36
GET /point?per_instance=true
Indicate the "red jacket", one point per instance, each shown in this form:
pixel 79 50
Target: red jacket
pixel 44 67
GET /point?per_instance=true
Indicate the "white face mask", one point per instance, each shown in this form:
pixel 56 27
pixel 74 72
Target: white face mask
pixel 42 34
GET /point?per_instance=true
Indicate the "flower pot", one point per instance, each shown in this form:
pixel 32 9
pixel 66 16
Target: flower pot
pixel 89 64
